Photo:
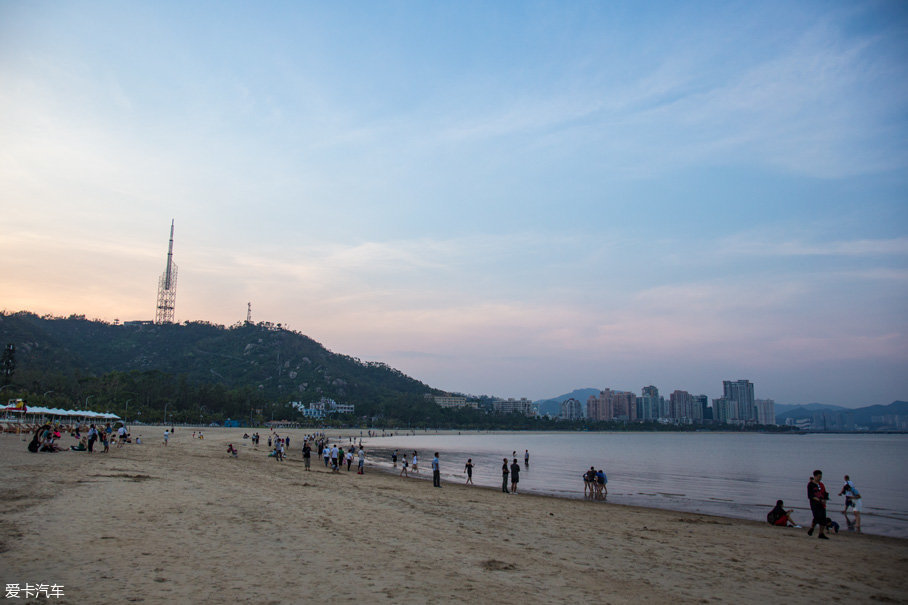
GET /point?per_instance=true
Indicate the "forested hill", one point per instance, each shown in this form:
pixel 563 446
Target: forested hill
pixel 243 366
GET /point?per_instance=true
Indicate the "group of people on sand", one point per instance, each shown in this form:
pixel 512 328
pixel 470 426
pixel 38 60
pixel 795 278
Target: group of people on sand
pixel 335 457
pixel 406 467
pixel 817 497
pixel 46 438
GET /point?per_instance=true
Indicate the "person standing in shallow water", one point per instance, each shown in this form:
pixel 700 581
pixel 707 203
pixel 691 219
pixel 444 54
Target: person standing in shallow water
pixel 504 475
pixel 515 476
pixel 526 460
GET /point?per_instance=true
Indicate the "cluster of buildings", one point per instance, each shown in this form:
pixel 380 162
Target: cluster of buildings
pixel 521 406
pixel 322 408
pixel 736 406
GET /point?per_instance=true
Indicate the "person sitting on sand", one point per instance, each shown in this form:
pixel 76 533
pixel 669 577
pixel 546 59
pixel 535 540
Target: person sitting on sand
pixel 781 517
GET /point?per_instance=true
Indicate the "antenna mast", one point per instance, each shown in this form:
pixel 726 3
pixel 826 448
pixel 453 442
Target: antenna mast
pixel 249 313
pixel 167 287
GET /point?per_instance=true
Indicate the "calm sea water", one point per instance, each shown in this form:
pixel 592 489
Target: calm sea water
pixel 739 475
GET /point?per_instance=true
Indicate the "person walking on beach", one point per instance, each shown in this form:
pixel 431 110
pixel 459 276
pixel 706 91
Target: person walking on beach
pixel 361 465
pixel 326 452
pixel 515 476
pixel 403 467
pixel 852 499
pixel 504 476
pixel 526 460
pixel 469 470
pixel 334 454
pixel 166 436
pixel 817 496
pixel 307 454
pixel 415 463
pixel 436 472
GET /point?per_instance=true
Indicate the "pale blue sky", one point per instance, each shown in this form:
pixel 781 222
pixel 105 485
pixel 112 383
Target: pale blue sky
pixel 507 198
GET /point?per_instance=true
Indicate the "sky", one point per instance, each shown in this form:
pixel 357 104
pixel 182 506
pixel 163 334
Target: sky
pixel 507 198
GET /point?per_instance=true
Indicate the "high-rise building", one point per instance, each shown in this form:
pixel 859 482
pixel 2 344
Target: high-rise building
pixel 720 410
pixel 650 404
pixel 681 406
pixel 571 409
pixel 611 405
pixel 701 408
pixel 740 397
pixel 765 411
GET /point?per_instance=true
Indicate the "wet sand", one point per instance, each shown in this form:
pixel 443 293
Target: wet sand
pixel 187 523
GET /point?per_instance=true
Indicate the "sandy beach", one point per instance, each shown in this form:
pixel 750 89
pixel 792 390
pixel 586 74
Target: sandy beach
pixel 187 523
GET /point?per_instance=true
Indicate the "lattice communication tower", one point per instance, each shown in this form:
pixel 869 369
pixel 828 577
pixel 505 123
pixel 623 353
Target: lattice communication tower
pixel 167 287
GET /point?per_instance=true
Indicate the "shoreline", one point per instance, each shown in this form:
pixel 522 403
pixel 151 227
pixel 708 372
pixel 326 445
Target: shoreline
pixel 187 522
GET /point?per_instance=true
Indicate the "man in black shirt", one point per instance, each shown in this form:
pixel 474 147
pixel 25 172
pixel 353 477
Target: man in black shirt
pixel 504 476
pixel 515 476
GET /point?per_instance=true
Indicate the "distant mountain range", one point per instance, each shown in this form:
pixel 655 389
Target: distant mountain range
pixel 859 416
pixel 784 408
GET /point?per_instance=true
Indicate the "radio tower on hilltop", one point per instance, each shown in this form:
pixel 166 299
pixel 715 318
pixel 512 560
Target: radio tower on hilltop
pixel 167 287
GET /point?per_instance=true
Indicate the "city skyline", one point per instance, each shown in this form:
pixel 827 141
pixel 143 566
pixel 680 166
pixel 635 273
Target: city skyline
pixel 515 200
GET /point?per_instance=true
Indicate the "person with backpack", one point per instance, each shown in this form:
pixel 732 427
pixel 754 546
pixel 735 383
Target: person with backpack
pixel 854 501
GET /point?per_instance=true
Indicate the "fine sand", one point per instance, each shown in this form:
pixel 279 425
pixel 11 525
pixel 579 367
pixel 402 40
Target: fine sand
pixel 188 524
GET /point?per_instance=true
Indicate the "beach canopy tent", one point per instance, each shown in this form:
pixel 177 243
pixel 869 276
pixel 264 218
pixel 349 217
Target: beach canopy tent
pixel 42 411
